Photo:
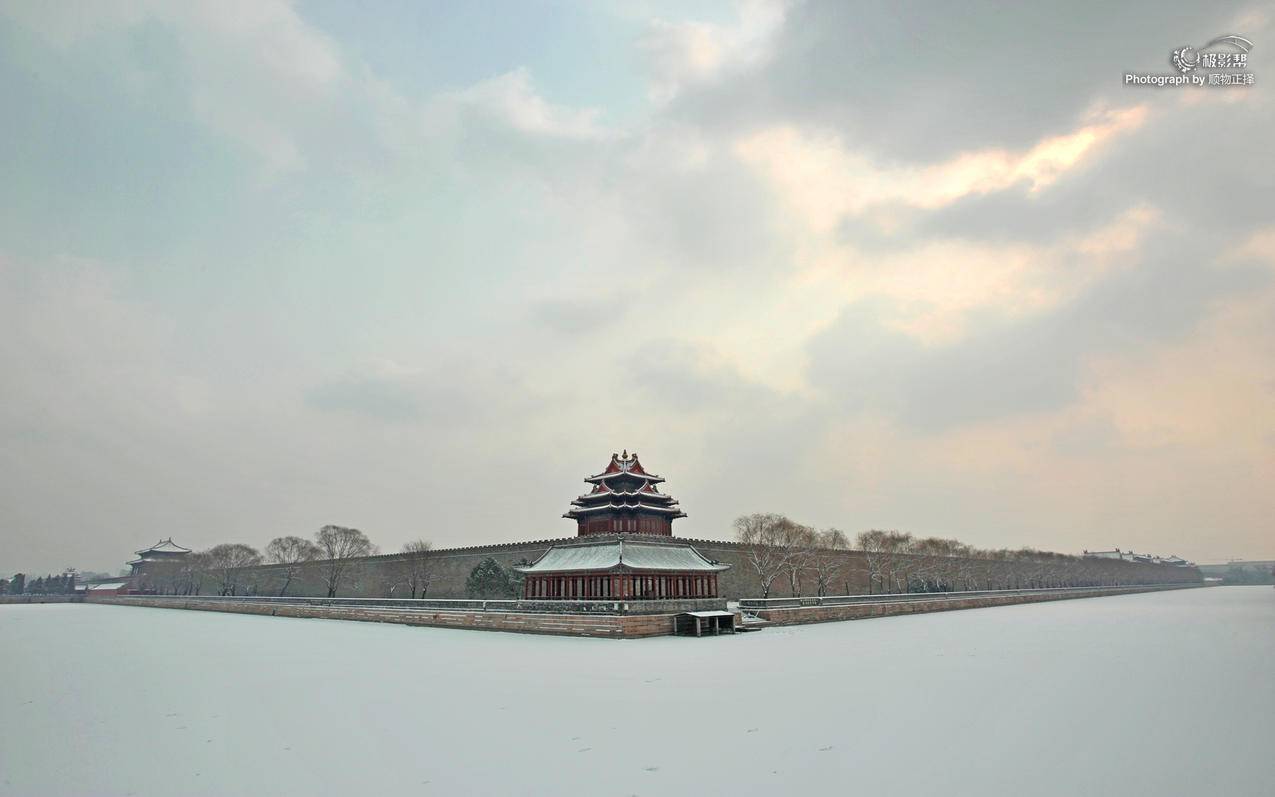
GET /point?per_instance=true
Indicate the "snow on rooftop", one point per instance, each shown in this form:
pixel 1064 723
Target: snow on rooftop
pixel 617 553
pixel 165 546
pixel 1047 700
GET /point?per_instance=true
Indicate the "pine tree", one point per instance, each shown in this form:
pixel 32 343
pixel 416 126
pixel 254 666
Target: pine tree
pixel 489 580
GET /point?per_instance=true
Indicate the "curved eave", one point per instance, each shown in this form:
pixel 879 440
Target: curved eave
pixel 649 477
pixel 669 510
pixel 638 494
pixel 623 568
pixel 619 555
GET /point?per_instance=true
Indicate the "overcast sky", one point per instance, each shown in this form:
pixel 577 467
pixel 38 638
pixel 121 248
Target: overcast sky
pixel 419 268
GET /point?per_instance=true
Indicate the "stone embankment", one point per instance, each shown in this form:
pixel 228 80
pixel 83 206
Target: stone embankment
pixel 615 620
pixel 796 611
pixel 612 619
pixel 41 599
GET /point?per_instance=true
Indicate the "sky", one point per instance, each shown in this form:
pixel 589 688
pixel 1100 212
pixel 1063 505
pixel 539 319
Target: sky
pixel 419 268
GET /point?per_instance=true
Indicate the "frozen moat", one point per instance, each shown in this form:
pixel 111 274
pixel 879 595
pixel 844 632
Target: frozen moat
pixel 1155 694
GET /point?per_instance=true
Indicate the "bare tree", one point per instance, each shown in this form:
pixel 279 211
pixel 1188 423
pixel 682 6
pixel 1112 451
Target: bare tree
pixel 228 561
pixel 799 540
pixel 935 560
pixel 884 552
pixel 827 557
pixel 763 536
pixel 290 553
pixel 872 543
pixel 416 566
pixel 338 546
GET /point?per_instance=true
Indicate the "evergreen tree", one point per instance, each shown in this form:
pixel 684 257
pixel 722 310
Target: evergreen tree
pixel 19 584
pixel 489 580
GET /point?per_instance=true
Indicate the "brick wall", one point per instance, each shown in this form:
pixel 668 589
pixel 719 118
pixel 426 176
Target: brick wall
pixel 610 626
pixel 451 567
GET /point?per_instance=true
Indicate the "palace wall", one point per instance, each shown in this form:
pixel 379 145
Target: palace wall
pixel 77 598
pixel 380 576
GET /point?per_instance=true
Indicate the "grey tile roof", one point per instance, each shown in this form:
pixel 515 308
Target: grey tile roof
pixel 622 554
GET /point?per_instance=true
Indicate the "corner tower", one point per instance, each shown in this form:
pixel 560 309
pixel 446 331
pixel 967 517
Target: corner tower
pixel 624 499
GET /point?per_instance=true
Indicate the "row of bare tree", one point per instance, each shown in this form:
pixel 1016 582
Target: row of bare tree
pixel 778 549
pixel 333 556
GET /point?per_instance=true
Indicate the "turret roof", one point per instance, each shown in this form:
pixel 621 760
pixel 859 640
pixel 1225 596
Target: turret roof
pixel 625 464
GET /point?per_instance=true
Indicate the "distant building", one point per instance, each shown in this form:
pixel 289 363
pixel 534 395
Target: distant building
pixel 1114 554
pixel 1143 558
pixel 110 588
pixel 162 551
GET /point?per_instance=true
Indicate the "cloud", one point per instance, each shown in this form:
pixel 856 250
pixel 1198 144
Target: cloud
pixel 512 99
pixel 686 53
pixel 821 180
pixel 890 257
pixel 1012 367
pixel 254 71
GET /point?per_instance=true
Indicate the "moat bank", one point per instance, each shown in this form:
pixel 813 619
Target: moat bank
pixel 617 620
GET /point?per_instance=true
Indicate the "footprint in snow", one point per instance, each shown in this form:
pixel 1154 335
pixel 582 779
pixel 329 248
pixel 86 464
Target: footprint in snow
pixel 825 749
pixel 751 730
pixel 584 749
pixel 650 769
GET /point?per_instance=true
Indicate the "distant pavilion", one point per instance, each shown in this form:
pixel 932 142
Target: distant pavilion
pixel 162 551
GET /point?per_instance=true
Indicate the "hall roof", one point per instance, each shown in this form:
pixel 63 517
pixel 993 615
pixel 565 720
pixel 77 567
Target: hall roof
pixel 164 546
pixel 621 554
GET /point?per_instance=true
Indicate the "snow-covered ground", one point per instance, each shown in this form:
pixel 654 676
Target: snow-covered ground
pixel 1157 694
